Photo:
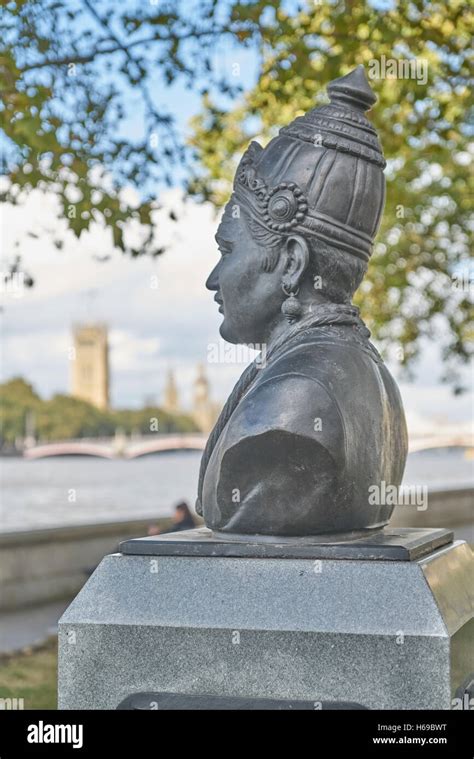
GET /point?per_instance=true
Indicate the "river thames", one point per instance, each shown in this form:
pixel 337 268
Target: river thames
pixel 78 489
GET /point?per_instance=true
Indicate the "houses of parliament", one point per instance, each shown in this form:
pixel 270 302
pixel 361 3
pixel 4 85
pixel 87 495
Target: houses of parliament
pixel 90 378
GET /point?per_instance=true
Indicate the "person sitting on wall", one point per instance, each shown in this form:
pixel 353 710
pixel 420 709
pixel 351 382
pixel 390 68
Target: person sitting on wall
pixel 182 520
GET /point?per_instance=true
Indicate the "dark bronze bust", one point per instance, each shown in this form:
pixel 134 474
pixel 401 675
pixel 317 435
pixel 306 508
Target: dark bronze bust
pixel 306 432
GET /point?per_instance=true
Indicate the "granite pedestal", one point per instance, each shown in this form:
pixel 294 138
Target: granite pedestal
pixel 194 621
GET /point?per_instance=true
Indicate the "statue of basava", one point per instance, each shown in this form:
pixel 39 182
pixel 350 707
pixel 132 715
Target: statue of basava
pixel 295 549
pixel 316 420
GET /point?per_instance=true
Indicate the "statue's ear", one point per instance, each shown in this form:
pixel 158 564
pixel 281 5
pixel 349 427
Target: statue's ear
pixel 297 261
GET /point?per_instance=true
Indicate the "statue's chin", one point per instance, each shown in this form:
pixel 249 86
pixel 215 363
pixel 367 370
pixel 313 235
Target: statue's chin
pixel 241 334
pixel 227 334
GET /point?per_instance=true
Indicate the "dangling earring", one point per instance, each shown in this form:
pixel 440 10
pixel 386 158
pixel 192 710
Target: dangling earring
pixel 291 307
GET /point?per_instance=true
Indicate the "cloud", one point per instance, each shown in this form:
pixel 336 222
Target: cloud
pixel 159 313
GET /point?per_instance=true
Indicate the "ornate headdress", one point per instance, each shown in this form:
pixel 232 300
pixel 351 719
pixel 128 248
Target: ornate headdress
pixel 322 175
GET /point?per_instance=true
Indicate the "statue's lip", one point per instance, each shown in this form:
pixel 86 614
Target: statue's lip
pixel 219 301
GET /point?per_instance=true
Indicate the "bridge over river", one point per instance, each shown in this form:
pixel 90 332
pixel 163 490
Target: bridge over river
pixel 132 447
pixel 118 446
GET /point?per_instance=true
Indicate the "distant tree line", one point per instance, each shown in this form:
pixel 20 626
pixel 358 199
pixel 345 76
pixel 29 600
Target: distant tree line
pixel 23 412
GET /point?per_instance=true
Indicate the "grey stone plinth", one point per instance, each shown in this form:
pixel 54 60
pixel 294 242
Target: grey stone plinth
pixel 382 634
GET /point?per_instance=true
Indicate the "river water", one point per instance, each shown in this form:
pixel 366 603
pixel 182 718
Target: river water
pixel 78 489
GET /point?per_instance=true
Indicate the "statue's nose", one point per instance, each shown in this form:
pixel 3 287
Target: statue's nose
pixel 213 280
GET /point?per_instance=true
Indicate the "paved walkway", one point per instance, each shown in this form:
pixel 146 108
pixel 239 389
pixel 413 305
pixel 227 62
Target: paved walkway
pixel 28 627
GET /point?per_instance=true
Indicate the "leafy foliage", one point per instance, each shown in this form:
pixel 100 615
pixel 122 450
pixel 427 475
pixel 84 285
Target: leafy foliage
pixel 67 68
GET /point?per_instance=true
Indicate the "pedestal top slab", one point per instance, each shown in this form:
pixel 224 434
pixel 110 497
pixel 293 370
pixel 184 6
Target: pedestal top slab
pixel 390 544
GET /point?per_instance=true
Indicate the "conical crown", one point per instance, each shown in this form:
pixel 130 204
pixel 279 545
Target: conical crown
pixel 323 174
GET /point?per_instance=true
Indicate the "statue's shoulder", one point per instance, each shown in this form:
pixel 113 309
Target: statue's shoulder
pixel 335 363
pixel 281 451
pixel 294 399
pixel 322 363
pixel 315 388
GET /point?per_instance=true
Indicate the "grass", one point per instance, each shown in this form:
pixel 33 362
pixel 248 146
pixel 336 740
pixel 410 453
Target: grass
pixel 31 675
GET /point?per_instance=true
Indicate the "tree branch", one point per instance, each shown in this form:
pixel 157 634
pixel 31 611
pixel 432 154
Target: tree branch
pixel 89 57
